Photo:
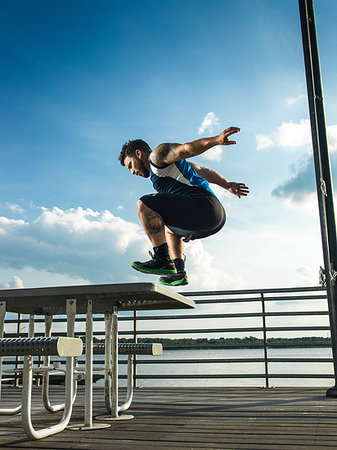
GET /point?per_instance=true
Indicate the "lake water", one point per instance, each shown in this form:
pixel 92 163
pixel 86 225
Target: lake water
pixel 230 368
pixel 235 367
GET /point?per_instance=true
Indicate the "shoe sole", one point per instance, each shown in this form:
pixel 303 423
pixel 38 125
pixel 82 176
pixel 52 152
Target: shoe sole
pixel 153 271
pixel 181 282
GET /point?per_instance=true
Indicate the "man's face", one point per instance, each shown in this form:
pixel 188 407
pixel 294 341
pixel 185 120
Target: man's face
pixel 136 166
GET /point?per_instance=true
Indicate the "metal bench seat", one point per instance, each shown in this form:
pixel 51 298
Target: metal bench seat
pixel 132 349
pixel 56 346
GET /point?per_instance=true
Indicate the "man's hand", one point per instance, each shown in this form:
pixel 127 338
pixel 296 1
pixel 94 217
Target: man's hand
pixel 238 189
pixel 223 137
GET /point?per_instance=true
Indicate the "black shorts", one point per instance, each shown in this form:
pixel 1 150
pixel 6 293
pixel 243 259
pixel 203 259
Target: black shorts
pixel 188 217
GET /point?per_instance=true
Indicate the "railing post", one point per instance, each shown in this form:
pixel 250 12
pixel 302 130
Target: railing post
pixel 135 340
pixel 265 349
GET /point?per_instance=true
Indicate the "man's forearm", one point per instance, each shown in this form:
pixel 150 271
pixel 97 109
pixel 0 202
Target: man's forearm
pixel 213 177
pixel 199 146
pixel 171 153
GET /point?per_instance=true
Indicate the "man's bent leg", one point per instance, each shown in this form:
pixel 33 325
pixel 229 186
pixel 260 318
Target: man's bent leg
pixel 152 223
pixel 176 249
pixel 175 244
pixel 161 263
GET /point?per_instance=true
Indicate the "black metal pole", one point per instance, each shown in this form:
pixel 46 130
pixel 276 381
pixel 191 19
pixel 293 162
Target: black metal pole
pixel 322 166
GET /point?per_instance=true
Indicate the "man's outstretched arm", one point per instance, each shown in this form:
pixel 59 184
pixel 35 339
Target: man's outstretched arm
pixel 171 153
pixel 238 189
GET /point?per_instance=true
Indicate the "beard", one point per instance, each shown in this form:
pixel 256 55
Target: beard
pixel 143 170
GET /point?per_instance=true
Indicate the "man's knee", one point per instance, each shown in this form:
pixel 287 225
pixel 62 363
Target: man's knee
pixel 170 232
pixel 141 207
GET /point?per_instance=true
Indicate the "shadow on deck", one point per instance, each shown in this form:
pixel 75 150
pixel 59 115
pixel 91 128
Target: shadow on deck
pixel 190 418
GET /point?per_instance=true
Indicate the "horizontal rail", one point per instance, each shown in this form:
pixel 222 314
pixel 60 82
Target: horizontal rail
pixel 228 330
pixel 188 317
pixel 234 360
pixel 193 330
pixel 232 375
pixel 227 315
pixel 254 291
pixel 256 299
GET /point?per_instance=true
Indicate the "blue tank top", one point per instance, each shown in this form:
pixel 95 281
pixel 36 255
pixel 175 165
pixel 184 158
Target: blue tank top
pixel 178 178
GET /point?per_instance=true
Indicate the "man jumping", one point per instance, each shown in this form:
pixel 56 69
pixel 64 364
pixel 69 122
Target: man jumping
pixel 184 208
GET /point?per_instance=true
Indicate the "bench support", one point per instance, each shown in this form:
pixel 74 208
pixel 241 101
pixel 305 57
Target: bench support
pixel 125 349
pixel 27 384
pixel 45 380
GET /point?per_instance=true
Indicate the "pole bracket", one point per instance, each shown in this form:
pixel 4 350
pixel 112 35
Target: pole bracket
pixel 322 277
pixel 323 187
pixel 333 276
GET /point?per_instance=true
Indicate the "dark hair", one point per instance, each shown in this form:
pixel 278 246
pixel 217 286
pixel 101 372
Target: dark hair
pixel 129 149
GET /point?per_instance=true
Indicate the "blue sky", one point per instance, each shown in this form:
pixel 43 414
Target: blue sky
pixel 79 78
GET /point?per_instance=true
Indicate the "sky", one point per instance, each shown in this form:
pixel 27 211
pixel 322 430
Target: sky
pixel 80 78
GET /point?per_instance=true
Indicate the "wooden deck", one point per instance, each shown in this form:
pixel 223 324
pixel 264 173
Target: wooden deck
pixel 191 418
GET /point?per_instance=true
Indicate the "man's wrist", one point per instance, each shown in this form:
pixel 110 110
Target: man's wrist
pixel 216 140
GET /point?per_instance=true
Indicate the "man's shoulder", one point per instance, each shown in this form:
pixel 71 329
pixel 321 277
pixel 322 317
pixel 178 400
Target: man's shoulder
pixel 161 154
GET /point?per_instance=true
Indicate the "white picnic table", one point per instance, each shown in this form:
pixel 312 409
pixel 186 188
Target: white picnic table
pixel 105 299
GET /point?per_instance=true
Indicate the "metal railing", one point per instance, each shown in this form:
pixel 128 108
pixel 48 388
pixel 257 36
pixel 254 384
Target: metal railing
pixel 208 330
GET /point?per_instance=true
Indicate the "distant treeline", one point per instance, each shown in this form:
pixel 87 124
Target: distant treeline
pixel 246 342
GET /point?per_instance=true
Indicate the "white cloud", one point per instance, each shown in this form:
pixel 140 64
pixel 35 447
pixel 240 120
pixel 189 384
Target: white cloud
pixel 263 141
pixel 81 246
pixel 306 202
pixel 213 154
pixel 293 100
pixel 14 207
pixel 204 273
pixel 209 123
pixel 222 193
pixel 80 243
pixel 307 274
pixel 30 277
pixel 332 137
pixel 288 135
pixel 15 283
pixel 79 225
pixel 263 256
pixel 7 225
pixel 291 135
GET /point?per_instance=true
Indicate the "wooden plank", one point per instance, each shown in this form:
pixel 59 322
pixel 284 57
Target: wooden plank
pixel 254 418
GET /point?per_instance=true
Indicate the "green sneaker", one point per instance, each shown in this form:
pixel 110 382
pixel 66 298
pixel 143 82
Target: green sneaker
pixel 178 279
pixel 155 265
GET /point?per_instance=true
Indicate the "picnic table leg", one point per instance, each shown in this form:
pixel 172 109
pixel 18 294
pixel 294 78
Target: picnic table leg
pixel 114 364
pixel 107 374
pixel 2 325
pixel 113 400
pixel 88 389
pixel 5 411
pixel 107 370
pixel 88 366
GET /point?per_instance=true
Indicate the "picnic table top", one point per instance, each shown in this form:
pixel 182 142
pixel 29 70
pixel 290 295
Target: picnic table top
pixel 124 296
